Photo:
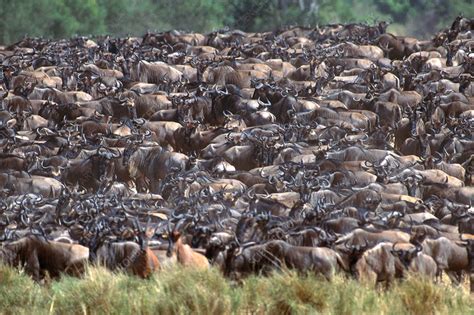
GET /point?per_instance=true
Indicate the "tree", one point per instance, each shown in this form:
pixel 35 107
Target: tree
pixel 64 18
pixel 51 18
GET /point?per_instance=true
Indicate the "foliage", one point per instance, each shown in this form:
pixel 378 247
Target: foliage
pixel 185 291
pixel 55 18
pixel 421 17
pixel 63 18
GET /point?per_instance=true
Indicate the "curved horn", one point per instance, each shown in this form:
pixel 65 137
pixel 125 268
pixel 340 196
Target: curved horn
pixel 139 121
pixel 115 153
pixel 261 103
pixel 324 183
pixel 418 248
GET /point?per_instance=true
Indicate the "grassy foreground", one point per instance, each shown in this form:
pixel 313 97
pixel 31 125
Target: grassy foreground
pixel 178 291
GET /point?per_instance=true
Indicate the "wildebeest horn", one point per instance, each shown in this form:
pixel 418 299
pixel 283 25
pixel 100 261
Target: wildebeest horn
pixel 419 177
pixel 43 166
pixel 393 247
pixel 367 165
pixel 115 153
pixel 261 103
pixel 324 182
pixel 263 175
pixel 178 217
pixel 418 248
pixel 272 180
pixel 227 113
pixel 251 194
pixel 139 121
pixel 323 236
pixel 366 216
pixel 437 158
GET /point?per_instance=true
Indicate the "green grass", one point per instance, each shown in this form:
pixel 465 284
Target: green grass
pixel 186 291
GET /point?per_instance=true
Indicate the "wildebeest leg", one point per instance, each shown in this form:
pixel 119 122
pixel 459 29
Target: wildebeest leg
pixel 140 183
pixel 439 274
pixel 32 266
pixel 75 269
pixel 131 184
pixel 328 274
pixel 385 285
pixel 471 280
pixel 154 186
pixel 379 285
pixel 455 277
pixel 370 278
pixel 145 184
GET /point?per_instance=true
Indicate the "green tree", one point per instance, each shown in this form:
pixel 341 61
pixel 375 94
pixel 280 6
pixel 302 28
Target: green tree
pixel 130 16
pixel 52 18
pixel 192 15
pixel 88 16
pixel 64 18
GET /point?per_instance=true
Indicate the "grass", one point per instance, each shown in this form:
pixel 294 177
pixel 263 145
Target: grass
pixel 186 291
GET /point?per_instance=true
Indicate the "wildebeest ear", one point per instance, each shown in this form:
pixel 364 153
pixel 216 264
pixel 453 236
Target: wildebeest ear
pixel 209 231
pixel 233 245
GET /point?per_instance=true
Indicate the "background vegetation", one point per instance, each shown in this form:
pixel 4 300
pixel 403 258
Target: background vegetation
pixel 185 291
pixel 65 18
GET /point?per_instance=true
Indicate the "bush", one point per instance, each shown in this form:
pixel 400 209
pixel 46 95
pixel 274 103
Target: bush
pixel 64 18
pixel 184 291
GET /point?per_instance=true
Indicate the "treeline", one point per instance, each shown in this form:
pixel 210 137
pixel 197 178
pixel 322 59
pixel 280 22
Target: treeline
pixel 65 18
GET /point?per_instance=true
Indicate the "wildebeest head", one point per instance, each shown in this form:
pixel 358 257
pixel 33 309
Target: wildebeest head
pixel 63 200
pixel 129 150
pixel 406 255
pixel 418 238
pixel 353 252
pixel 101 162
pixel 201 237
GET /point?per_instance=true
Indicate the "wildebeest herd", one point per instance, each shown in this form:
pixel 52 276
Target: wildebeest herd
pixel 340 148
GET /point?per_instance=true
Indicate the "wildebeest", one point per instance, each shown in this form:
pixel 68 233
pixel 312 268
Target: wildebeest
pixel 270 146
pixel 127 256
pixel 41 257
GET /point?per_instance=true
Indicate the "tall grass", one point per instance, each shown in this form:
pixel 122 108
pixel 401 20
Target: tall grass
pixel 187 291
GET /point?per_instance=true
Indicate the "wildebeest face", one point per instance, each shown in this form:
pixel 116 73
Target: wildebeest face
pixel 127 153
pixel 405 257
pixel 201 237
